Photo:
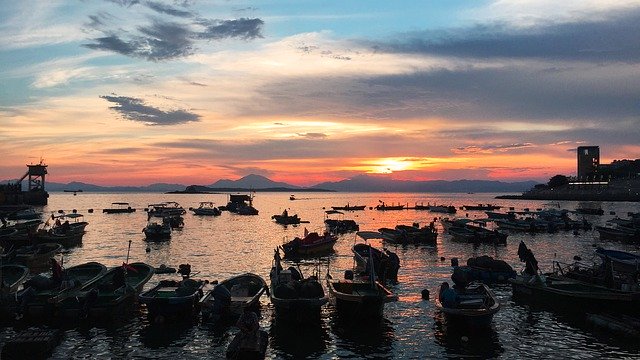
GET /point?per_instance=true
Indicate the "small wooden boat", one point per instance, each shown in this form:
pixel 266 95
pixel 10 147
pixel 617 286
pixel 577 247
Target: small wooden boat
pixel 362 300
pixel 168 208
pixel 119 208
pixel 386 264
pixel 286 219
pixel 39 290
pixel 475 235
pixel 37 255
pixel 443 209
pixel 206 208
pixel 311 244
pixel 486 207
pixel 484 269
pixel 385 207
pixel 341 225
pixel 157 232
pixel 232 297
pixel 173 299
pixel 473 305
pixel 619 233
pixel 414 234
pixel 349 207
pixel 11 277
pixel 113 292
pixel 295 297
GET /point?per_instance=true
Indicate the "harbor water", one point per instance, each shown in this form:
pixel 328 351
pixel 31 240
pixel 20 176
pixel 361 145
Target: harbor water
pixel 412 328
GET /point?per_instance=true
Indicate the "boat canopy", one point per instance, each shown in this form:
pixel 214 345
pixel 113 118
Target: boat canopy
pixel 72 216
pixel 367 235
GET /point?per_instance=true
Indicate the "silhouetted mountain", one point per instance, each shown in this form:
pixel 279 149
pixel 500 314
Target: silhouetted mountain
pixel 367 183
pixel 159 187
pixel 252 181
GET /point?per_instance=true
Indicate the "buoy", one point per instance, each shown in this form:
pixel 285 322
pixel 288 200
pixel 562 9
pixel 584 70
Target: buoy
pixel 90 211
pixel 148 249
pixel 425 294
pixel 60 211
pixel 442 258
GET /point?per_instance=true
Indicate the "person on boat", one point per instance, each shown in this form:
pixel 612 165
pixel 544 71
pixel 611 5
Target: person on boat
pixel 66 227
pixel 526 255
pixel 248 340
pixel 394 266
pixel 447 296
pixel 56 270
pixel 58 223
pixel 285 213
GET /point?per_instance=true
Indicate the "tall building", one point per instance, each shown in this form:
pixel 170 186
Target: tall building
pixel 588 160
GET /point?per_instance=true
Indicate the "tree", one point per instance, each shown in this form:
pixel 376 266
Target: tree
pixel 558 181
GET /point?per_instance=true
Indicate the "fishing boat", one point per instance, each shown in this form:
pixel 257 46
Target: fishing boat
pixel 385 263
pixel 40 289
pixel 295 297
pixel 241 204
pixel 566 294
pixel 11 277
pixel 286 219
pixel 486 207
pixel 340 225
pixel 618 233
pixel 472 305
pixel 173 299
pixel 349 207
pixel 113 292
pixel 206 208
pixel 443 209
pixel 232 297
pixel 167 208
pixel 311 244
pixel 36 256
pixel 26 213
pixel 384 207
pixel 157 231
pixel 62 230
pixel 359 299
pixel 119 208
pixel 475 234
pixel 411 234
pixel 484 269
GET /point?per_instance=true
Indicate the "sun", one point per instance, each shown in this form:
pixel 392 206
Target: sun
pixel 389 165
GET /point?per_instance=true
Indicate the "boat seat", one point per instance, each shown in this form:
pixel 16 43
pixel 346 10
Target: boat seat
pixel 239 291
pixel 471 303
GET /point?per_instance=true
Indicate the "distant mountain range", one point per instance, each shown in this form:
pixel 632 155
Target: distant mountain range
pixel 361 183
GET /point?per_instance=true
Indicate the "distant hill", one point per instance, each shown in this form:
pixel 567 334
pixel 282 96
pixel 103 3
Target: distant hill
pixel 366 183
pixel 251 182
pixel 361 183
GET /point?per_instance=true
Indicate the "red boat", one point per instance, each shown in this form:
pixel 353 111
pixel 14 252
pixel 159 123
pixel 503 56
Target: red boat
pixel 311 244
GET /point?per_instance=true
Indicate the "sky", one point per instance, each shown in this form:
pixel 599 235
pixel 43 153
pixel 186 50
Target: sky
pixel 134 92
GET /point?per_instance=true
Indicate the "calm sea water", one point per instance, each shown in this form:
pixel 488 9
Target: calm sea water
pixel 223 246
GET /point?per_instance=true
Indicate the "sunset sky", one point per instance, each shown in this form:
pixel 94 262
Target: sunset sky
pixel 133 92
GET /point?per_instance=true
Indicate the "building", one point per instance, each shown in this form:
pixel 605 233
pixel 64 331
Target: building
pixel 588 161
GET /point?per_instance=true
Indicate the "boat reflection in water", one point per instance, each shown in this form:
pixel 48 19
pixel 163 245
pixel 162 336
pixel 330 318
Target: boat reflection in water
pixel 464 341
pixel 362 340
pixel 300 342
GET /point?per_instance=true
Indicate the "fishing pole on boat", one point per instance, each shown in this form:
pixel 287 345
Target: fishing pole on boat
pixel 128 251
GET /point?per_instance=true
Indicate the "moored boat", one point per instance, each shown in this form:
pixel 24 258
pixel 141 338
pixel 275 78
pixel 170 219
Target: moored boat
pixel 206 208
pixel 40 289
pixel 173 299
pixel 472 305
pixel 384 207
pixel 232 297
pixel 385 263
pixel 311 244
pixel 358 299
pixel 295 297
pixel 341 225
pixel 113 292
pixel 157 231
pixel 119 208
pixel 286 219
pixel 36 256
pixel 11 277
pixel 349 207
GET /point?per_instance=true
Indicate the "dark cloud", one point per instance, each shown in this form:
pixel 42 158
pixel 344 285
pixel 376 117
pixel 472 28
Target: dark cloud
pixel 167 9
pixel 136 110
pixel 165 39
pixel 243 28
pixel 125 3
pixel 611 38
pixel 487 149
pixel 313 135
